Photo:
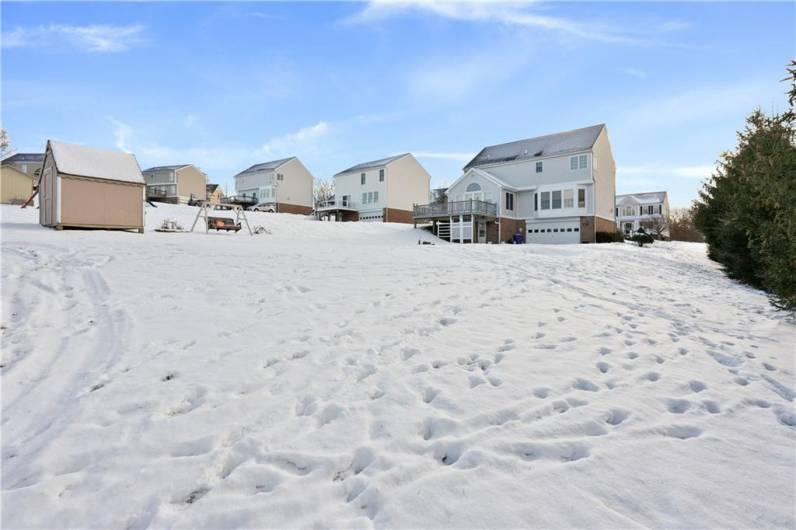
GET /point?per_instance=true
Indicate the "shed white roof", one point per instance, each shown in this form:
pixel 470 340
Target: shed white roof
pixel 84 161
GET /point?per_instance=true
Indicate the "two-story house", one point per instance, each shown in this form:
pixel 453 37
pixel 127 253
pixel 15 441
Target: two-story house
pixel 557 188
pixel 283 185
pixel 383 190
pixel 19 176
pixel 649 211
pixel 176 184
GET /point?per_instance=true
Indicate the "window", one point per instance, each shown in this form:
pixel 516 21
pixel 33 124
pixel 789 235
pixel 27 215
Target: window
pixel 573 162
pixel 569 200
pixel 375 196
pixel 579 206
pixel 280 176
pixel 538 167
pixel 362 178
pixel 381 175
pixel 641 210
pixel 660 209
pixel 509 201
pixel 555 229
pixel 582 161
pixel 576 229
pixel 582 198
pixel 649 209
pixel 535 202
pixel 545 200
pixel 364 198
pixel 569 230
pixel 370 197
pixel 473 186
pixel 557 200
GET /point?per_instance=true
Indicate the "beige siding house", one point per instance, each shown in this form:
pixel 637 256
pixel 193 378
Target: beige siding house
pixel 90 188
pixel 283 186
pixel 383 190
pixel 175 184
pixel 214 193
pixel 15 186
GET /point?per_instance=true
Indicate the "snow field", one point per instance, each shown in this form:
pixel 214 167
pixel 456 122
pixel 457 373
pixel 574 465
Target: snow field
pixel 339 374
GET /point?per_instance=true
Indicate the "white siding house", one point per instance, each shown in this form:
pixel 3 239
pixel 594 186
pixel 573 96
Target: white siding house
pixel 557 188
pixel 278 186
pixel 649 211
pixel 383 190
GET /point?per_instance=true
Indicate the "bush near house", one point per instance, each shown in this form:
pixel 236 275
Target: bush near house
pixel 610 237
pixel 747 210
pixel 642 238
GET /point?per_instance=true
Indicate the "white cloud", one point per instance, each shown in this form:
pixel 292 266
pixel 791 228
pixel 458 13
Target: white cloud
pixel 303 139
pixel 122 132
pixel 522 14
pixel 634 72
pixel 93 38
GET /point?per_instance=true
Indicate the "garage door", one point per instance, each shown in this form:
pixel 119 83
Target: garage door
pixel 564 232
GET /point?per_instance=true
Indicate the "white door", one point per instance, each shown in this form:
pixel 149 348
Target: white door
pixel 481 232
pixel 554 232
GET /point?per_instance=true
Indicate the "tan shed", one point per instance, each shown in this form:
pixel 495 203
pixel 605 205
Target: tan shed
pixel 86 187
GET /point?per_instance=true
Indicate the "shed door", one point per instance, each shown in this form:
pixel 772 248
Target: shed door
pixel 48 196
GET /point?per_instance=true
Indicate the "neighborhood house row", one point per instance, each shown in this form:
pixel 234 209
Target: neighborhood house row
pixel 557 188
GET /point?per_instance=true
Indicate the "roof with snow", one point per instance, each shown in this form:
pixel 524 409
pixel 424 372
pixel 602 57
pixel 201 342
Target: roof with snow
pixel 551 144
pixel 644 198
pixel 266 166
pixel 21 158
pixel 84 161
pixel 381 162
pixel 165 168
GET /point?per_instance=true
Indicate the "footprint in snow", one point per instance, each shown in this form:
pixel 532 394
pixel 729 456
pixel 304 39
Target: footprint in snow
pixel 603 367
pixel 585 384
pixel 696 386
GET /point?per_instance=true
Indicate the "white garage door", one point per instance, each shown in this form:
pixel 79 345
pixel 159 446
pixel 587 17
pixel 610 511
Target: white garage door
pixel 563 232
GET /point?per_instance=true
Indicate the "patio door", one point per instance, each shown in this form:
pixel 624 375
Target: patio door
pixel 481 234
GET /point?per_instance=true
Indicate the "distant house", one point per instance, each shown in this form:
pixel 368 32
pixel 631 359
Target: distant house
pixel 15 186
pixel 557 188
pixel 283 186
pixel 91 188
pixel 214 193
pixel 649 210
pixel 176 184
pixel 383 190
pixel 27 163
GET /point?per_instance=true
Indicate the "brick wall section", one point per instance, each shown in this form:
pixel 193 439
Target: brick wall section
pixel 508 227
pixel 349 216
pixel 393 215
pixel 587 229
pixel 283 207
pixel 605 225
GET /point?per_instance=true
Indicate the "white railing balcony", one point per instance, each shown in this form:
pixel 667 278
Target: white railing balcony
pixel 336 204
pixel 446 209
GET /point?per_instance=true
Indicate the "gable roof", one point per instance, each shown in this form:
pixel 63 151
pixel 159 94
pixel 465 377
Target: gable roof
pixel 644 198
pixel 84 161
pixel 211 187
pixel 381 162
pixel 550 144
pixel 266 166
pixel 24 158
pixel 165 168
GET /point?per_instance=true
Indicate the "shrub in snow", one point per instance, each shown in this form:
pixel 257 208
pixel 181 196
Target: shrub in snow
pixel 642 238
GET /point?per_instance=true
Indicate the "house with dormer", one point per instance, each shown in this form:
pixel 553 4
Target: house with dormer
pixel 557 188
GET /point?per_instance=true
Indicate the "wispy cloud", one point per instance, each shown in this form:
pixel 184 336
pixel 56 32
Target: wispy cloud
pixel 123 133
pixel 93 38
pixel 521 14
pixel 634 72
pixel 304 139
pixel 460 157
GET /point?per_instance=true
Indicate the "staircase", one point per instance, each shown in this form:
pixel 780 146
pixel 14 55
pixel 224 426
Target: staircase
pixel 444 230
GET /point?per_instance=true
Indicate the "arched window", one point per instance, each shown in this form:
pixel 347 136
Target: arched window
pixel 473 186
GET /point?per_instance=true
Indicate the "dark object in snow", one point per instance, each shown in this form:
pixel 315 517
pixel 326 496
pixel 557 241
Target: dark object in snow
pixel 519 238
pixel 222 223
pixel 421 242
pixel 610 237
pixel 642 238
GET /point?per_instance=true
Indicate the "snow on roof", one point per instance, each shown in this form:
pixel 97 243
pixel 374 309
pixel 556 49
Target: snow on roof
pixel 381 162
pixel 551 144
pixel 266 166
pixel 84 161
pixel 165 168
pixel 645 197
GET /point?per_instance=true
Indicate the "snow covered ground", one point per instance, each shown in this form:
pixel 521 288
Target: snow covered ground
pixel 343 375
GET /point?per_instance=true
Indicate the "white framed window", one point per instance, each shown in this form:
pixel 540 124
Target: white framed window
pixel 582 198
pixel 557 200
pixel 573 162
pixel 381 175
pixel 535 202
pixel 362 178
pixel 375 196
pixel 509 201
pixel 364 198
pixel 650 209
pixel 539 167
pixel 569 199
pixel 280 176
pixel 545 200
pixel 582 159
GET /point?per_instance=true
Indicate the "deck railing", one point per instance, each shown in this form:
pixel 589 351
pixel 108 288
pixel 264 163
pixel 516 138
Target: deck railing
pixel 333 204
pixel 446 209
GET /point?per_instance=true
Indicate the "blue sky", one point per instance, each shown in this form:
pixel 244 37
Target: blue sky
pixel 227 85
